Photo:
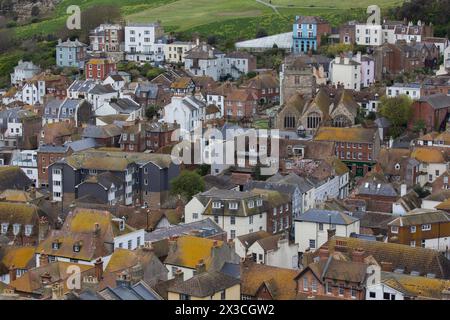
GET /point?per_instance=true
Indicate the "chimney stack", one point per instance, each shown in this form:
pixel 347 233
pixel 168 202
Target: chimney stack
pixel 97 229
pixel 12 273
pixel 43 259
pixel 387 266
pixel 99 269
pixel 324 253
pixel 200 267
pixel 179 274
pixel 358 255
pixel 46 278
pixel 331 233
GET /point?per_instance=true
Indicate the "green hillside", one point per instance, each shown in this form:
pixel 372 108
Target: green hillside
pixel 189 15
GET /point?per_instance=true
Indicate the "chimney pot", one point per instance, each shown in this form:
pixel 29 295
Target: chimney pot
pixel 99 269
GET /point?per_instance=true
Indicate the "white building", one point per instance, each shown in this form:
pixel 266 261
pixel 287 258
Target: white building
pixel 447 57
pixel 33 92
pixel 188 112
pixel 27 161
pixel 144 42
pixel 121 106
pixel 346 72
pixel 311 228
pixel 275 251
pixel 205 60
pixel 99 95
pixel 411 90
pixel 238 213
pixel 24 70
pixel 238 64
pixel 369 34
pixel 175 52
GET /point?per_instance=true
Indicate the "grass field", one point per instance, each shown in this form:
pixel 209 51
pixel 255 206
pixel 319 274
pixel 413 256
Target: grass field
pixel 194 15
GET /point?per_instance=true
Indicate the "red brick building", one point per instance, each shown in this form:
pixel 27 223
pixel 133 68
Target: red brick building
pixel 266 86
pixel 98 69
pixel 358 148
pixel 133 138
pixel 433 110
pixel 333 278
pixel 159 135
pixel 241 103
pixel 47 155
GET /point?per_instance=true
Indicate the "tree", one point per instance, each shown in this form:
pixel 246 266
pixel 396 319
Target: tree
pixel 204 169
pixel 151 111
pixel 6 40
pixel 419 126
pixel 187 184
pixel 398 111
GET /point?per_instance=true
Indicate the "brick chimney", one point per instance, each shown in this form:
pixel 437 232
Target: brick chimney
pixel 99 269
pixel 358 255
pixel 324 253
pixel 12 273
pixel 200 267
pixel 43 259
pixel 46 278
pixel 97 229
pixel 179 274
pixel 387 266
pixel 331 233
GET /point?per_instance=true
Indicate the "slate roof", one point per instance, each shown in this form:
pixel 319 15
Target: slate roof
pixel 138 291
pixel 102 132
pixel 105 179
pixel 292 179
pixel 205 228
pixel 321 216
pixel 204 284
pixel 101 89
pixel 437 101
pixel 124 105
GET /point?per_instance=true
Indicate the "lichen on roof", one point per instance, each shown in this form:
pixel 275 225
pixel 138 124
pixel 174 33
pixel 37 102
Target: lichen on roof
pixel 189 251
pixel 19 257
pixel 428 155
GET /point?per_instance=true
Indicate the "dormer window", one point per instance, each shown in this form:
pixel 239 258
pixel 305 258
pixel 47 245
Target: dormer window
pixel 122 225
pixel 28 230
pixel 77 247
pixel 5 228
pixel 394 229
pixel 56 245
pixel 259 202
pixel 251 204
pixel 397 166
pixel 233 205
pixel 16 229
pixel 216 205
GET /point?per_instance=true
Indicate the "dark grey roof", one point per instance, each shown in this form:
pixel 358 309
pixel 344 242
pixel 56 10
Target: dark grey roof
pixel 81 85
pixel 377 188
pixel 232 269
pixel 82 144
pixel 101 89
pixel 139 291
pixel 303 184
pixel 124 105
pixel 223 182
pixel 280 187
pixel 206 227
pixel 47 148
pixel 69 104
pixel 150 88
pixel 102 132
pixel 324 216
pixel 309 19
pixel 204 284
pixel 437 101
pixel 71 44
